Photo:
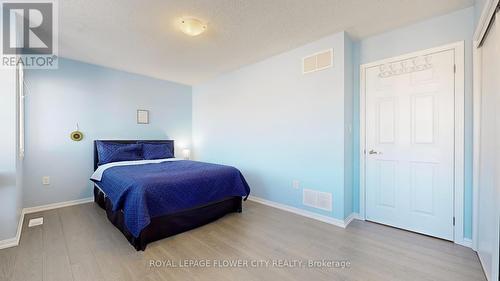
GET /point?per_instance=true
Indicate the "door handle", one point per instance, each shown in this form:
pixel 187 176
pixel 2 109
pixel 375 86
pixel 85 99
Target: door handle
pixel 374 152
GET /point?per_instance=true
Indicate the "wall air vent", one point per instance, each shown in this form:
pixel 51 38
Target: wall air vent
pixel 317 199
pixel 318 61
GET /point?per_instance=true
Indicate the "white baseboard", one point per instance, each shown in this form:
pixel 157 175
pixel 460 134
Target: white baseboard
pixel 7 243
pixel 304 213
pixel 351 217
pixel 57 205
pixel 466 242
pixel 12 242
pixel 486 270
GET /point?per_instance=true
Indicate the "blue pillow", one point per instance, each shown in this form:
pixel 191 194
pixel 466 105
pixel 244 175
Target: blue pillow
pixel 157 151
pixel 113 152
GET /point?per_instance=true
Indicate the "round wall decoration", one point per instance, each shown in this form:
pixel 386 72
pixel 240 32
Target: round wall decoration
pixel 77 136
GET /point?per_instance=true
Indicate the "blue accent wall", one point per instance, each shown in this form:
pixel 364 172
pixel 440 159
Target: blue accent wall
pixel 104 102
pixel 278 125
pixel 438 31
pixel 247 117
pixel 349 69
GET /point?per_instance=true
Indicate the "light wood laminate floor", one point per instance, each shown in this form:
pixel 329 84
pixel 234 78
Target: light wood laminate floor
pixel 78 243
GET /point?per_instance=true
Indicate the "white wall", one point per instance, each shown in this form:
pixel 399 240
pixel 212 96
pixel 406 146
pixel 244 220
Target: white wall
pixel 277 125
pixel 11 188
pixel 104 103
pixel 10 192
pixel 488 189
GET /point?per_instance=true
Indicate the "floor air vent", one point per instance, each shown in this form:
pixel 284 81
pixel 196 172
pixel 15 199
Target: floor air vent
pixel 35 222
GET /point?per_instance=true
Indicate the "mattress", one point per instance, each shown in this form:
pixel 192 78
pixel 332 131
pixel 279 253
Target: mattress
pixel 145 189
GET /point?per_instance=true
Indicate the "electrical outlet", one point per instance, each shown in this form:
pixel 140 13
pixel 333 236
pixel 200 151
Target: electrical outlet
pixel 296 184
pixel 46 180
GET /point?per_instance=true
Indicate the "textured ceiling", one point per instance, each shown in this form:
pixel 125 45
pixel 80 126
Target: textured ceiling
pixel 142 37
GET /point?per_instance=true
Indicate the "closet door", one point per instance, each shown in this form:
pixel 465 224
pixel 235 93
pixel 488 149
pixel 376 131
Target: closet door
pixel 410 137
pixel 489 170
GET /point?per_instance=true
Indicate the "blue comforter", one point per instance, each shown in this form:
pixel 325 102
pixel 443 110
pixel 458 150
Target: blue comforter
pixel 150 190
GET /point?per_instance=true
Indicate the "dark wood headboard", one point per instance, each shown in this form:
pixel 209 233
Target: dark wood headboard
pixel 96 156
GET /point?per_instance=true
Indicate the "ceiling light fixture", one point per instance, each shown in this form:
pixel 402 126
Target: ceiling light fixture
pixel 192 26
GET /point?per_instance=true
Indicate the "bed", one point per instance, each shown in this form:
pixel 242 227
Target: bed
pixel 150 199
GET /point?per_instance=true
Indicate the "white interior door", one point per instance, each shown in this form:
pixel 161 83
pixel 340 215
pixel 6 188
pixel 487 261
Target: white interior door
pixel 409 176
pixel 489 164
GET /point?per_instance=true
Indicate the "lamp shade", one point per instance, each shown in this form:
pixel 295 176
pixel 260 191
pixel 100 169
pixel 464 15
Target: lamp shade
pixel 186 153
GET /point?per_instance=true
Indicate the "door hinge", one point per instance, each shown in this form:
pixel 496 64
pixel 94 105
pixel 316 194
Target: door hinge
pixel 454 68
pixel 453 220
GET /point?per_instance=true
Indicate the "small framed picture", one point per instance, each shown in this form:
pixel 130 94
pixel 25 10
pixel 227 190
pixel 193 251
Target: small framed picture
pixel 142 116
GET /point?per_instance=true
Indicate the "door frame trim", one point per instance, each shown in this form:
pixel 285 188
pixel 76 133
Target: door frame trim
pixel 483 24
pixel 476 148
pixel 459 181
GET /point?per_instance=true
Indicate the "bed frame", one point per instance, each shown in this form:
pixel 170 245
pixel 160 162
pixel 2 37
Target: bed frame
pixel 168 225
